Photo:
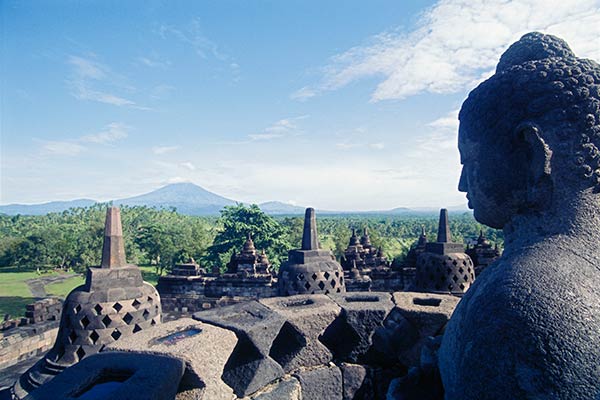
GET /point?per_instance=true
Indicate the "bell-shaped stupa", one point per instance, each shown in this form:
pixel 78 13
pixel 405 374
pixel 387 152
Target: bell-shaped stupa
pixel 311 269
pixel 113 303
pixel 444 267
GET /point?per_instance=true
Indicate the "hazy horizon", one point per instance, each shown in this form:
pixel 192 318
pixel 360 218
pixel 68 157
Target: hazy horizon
pixel 339 106
pixel 416 208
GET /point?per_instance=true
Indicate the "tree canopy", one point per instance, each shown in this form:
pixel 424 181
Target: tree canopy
pixel 239 221
pixel 159 237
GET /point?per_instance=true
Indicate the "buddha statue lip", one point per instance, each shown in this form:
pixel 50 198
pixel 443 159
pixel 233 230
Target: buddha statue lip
pixel 529 140
pixel 469 204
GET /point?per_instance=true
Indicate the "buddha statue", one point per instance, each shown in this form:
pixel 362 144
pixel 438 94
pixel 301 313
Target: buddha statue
pixel 529 138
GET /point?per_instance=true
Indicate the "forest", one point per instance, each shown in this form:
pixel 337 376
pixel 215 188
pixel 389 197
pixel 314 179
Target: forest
pixel 162 237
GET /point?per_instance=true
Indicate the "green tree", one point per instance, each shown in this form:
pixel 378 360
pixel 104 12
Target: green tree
pixel 235 223
pixel 158 242
pixel 164 237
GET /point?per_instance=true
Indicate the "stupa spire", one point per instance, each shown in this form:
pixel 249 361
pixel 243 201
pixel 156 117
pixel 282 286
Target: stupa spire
pixel 310 240
pixel 444 235
pixel 113 249
pixel 365 240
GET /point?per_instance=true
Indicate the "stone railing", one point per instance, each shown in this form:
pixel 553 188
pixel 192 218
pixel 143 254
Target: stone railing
pixel 342 346
pixel 32 335
pixel 23 342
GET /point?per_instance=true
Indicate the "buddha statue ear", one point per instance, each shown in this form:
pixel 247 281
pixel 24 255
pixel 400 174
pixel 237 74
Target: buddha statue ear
pixel 539 168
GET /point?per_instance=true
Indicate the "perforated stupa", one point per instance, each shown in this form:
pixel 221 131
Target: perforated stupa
pixel 444 267
pixel 311 269
pixel 113 303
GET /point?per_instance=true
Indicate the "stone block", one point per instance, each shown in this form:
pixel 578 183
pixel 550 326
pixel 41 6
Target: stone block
pixel 417 385
pixel 356 382
pixel 429 312
pixel 307 316
pixel 415 317
pixel 105 278
pixel 350 336
pixel 320 383
pixel 288 389
pixel 304 256
pixel 204 348
pixel 250 366
pixel 118 376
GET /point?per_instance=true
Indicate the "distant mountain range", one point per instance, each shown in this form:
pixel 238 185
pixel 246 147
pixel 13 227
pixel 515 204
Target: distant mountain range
pixel 44 208
pixel 192 199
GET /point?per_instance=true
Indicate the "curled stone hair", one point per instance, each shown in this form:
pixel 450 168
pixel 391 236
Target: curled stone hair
pixel 540 80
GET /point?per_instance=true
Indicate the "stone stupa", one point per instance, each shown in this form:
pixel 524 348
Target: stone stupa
pixel 113 303
pixel 311 269
pixel 444 267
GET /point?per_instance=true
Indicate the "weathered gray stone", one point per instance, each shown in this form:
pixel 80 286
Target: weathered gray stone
pixel 429 312
pixel 297 343
pixel 204 348
pixel 444 267
pixel 418 385
pixel 323 382
pixel 288 389
pixel 310 270
pixel 113 248
pixel 422 382
pixel 118 376
pixel 415 317
pixel 357 382
pixel 349 337
pixel 249 368
pixel 529 327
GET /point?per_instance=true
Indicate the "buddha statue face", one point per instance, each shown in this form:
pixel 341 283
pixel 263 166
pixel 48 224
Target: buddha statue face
pixel 532 127
pixel 493 188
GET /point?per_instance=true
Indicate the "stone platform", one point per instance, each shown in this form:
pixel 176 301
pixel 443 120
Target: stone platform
pixel 336 346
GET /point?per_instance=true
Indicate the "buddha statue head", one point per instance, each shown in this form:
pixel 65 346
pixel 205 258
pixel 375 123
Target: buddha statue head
pixel 529 326
pixel 529 136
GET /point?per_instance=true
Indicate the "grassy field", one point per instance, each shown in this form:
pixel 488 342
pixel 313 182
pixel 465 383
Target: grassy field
pixel 62 289
pixel 15 294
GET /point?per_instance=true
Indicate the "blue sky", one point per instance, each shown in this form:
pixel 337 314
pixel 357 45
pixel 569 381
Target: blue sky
pixel 333 104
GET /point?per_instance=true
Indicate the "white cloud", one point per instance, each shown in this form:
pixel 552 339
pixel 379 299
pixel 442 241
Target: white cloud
pixel 399 173
pixel 62 148
pixel 91 80
pixel 353 145
pixel 304 93
pixel 188 165
pixel 455 44
pixel 346 145
pixel 164 149
pixel 283 128
pixel 322 181
pixel 176 179
pixel 441 139
pixel 88 69
pixel 449 121
pixel 113 132
pixel 192 35
pixel 160 91
pixel 265 136
pixel 283 125
pixel 154 62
